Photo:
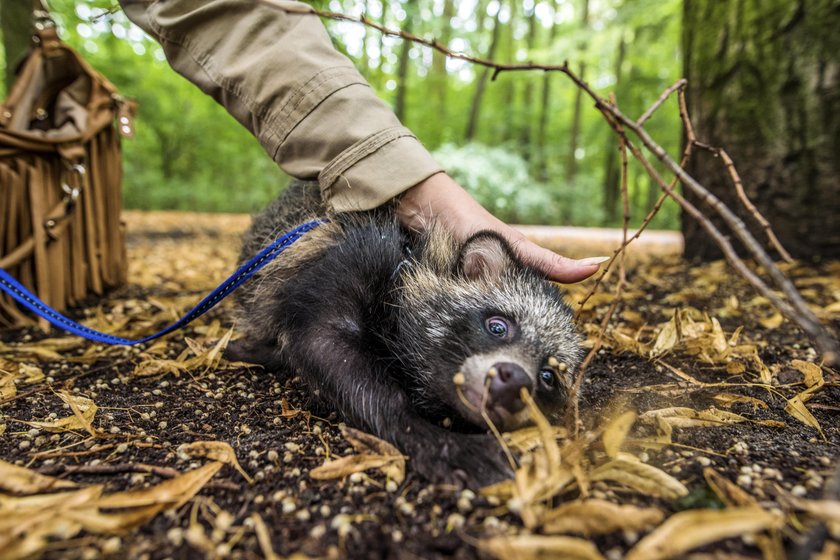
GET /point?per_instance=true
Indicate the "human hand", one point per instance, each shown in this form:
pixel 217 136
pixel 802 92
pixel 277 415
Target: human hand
pixel 440 198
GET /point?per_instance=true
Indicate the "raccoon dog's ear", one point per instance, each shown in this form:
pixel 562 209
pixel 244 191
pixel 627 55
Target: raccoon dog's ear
pixel 485 255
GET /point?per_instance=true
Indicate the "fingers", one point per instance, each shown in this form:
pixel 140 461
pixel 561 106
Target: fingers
pixel 556 267
pixel 442 199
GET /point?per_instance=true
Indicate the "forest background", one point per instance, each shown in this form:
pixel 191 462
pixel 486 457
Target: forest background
pixel 526 144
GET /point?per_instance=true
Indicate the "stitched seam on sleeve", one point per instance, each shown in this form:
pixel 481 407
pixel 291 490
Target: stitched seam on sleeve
pixel 337 77
pixel 311 94
pixel 358 151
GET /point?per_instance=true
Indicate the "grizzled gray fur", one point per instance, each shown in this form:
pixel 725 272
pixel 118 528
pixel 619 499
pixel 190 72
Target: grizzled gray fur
pixel 406 333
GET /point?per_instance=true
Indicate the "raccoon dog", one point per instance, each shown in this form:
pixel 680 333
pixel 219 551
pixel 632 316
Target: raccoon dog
pixel 398 331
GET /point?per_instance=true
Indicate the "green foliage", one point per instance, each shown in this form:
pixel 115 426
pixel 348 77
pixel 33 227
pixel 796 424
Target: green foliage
pixel 190 154
pixel 499 180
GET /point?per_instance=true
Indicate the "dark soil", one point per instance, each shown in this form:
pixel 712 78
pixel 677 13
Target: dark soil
pixel 143 420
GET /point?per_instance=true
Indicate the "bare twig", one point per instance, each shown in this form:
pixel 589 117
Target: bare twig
pixel 721 240
pixel 746 202
pixel 687 151
pixel 116 468
pixel 794 308
pixel 622 279
pixel 678 85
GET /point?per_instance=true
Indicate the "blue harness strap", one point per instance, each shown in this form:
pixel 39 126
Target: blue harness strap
pixel 30 301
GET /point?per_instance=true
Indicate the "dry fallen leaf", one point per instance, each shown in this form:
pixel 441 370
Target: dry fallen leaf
pixel 373 453
pixel 796 408
pixel 827 511
pixel 176 491
pixel 83 409
pixel 667 337
pixel 263 537
pixel 729 399
pixel 534 547
pixel 812 372
pixel 31 373
pixel 526 439
pixel 216 451
pixel 203 359
pixel 20 480
pixel 643 478
pixel 599 517
pixel 8 389
pixel 616 432
pixel 735 367
pixel 687 530
pixel 729 493
pixel 345 466
pixel 683 417
pixel 773 322
pixel 29 524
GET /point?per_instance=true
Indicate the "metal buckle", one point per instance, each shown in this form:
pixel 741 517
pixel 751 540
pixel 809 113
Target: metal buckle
pixel 42 19
pixel 73 193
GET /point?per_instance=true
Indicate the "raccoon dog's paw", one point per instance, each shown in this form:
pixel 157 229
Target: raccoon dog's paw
pixel 253 352
pixel 465 460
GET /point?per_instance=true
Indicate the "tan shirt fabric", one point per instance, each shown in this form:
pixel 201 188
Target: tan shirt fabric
pixel 278 74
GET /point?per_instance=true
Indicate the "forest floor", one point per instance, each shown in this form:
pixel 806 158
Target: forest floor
pixel 708 430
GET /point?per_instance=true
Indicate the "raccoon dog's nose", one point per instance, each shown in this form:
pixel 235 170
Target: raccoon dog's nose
pixel 505 387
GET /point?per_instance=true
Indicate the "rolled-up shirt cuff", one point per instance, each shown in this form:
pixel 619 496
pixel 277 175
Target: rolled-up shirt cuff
pixel 375 170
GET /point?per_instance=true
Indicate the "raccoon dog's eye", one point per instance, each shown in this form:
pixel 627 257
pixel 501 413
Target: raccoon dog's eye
pixel 497 326
pixel 547 377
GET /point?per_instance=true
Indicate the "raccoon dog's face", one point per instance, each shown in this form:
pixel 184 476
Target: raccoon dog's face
pixel 479 327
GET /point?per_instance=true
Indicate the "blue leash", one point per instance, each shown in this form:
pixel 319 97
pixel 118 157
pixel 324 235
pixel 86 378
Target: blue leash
pixel 29 300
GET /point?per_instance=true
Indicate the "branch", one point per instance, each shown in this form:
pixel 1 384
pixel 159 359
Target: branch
pixel 794 309
pixel 678 85
pixel 622 280
pixel 115 468
pixel 747 203
pixel 687 151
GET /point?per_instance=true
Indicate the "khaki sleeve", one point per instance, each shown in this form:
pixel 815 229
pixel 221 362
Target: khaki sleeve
pixel 278 74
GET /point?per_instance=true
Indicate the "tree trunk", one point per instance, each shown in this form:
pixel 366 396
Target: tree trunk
pixel 764 84
pixel 366 69
pixel 380 73
pixel 16 26
pixel 402 67
pixel 528 93
pixel 612 174
pixel 574 136
pixel 545 112
pixel 438 73
pixel 506 130
pixel 481 85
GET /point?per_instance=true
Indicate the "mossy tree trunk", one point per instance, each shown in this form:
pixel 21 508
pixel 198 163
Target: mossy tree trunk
pixel 16 24
pixel 764 84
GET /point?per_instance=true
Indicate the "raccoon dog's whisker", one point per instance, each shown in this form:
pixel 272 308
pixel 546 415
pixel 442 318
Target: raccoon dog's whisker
pixel 464 398
pixel 501 441
pixel 485 395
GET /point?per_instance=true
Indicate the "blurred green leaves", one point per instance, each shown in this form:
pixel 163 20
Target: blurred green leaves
pixel 189 154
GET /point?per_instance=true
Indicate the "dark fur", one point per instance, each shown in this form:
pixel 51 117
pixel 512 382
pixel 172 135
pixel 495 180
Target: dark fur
pixel 378 321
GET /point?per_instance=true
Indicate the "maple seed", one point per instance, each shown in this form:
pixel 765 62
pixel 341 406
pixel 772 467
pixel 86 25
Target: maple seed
pixel 459 379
